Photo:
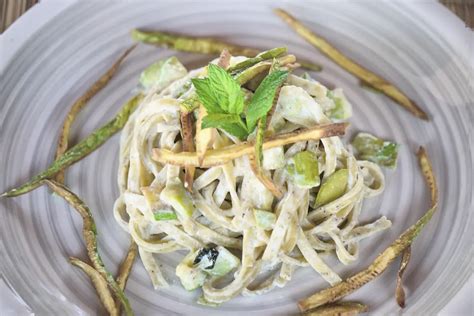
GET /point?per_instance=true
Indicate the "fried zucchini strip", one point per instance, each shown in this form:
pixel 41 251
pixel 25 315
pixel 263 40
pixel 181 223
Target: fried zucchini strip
pixel 251 72
pixel 367 76
pixel 188 145
pixel 100 285
pixel 399 291
pixel 81 150
pixel 63 140
pixel 257 159
pixel 266 55
pixel 89 232
pixel 125 269
pixel 184 43
pixel 201 45
pixel 224 59
pixel 384 259
pixel 126 265
pixel 426 167
pixel 222 155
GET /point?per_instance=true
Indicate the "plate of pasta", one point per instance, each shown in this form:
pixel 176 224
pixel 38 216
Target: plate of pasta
pixel 218 158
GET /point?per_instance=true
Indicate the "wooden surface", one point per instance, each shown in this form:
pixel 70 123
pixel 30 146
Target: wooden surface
pixel 463 9
pixel 12 9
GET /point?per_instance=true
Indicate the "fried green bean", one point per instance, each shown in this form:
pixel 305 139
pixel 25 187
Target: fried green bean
pixel 368 87
pixel 63 140
pixel 186 119
pixel 310 66
pixel 370 78
pixel 400 292
pixel 426 167
pixel 339 309
pixel 100 285
pixel 201 45
pixel 125 268
pixel 266 55
pixel 257 158
pixel 251 72
pixel 81 150
pixel 383 260
pixel 89 232
pixel 126 265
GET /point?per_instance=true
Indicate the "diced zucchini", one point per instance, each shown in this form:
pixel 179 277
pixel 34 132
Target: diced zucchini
pixel 191 277
pixel 162 73
pixel 164 215
pixel 369 147
pixel 175 194
pixel 216 261
pixel 303 169
pixel 297 106
pixel 264 219
pixel 342 108
pixel 333 187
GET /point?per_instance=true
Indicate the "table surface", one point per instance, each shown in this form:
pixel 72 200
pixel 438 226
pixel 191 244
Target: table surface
pixel 18 33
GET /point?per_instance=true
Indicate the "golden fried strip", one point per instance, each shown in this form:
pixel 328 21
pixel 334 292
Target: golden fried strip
pixel 224 59
pixel 125 269
pixel 126 265
pixel 89 232
pixel 400 292
pixel 384 259
pixel 204 137
pixel 426 167
pixel 368 77
pixel 222 155
pixel 79 105
pixel 100 285
pixel 339 309
pixel 251 72
pixel 427 170
pixel 202 45
pixel 256 161
pixel 188 145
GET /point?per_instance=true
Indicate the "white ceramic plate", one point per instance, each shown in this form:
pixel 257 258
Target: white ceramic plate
pixel 39 231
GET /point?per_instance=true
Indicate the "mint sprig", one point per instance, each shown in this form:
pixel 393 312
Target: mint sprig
pixel 262 99
pixel 223 99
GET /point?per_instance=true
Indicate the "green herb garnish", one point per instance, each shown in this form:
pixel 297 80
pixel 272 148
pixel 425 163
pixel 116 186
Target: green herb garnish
pixel 223 99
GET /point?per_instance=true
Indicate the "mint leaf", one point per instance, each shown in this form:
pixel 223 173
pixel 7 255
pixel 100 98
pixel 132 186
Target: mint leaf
pixel 215 119
pixel 223 99
pixel 220 94
pixel 231 123
pixel 235 129
pixel 205 95
pixel 226 90
pixel 262 99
